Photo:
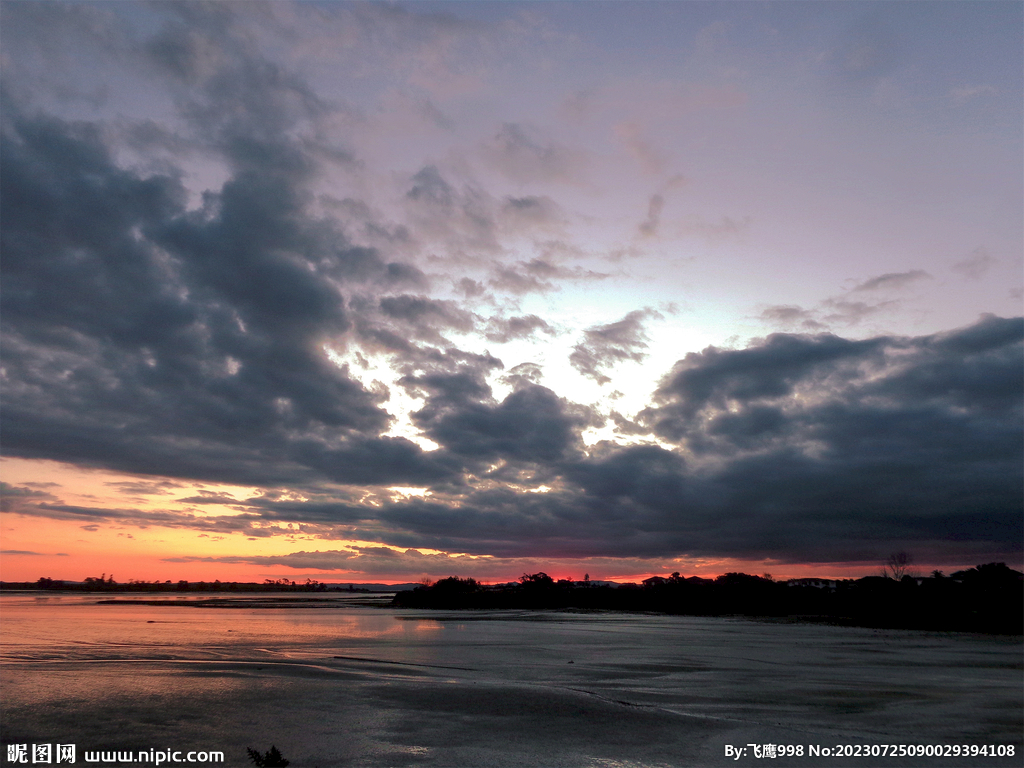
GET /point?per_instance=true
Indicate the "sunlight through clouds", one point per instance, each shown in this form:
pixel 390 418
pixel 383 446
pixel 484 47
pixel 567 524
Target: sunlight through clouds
pixel 613 286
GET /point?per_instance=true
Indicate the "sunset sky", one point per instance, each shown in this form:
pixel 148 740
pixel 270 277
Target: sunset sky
pixel 375 292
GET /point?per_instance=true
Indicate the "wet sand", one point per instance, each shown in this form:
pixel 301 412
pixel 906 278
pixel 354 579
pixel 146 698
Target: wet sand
pixel 345 684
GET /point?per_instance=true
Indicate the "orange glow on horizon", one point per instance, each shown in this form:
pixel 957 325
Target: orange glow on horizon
pixel 72 549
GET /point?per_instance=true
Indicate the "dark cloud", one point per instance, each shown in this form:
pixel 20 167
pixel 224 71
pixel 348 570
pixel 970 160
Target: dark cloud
pixel 377 461
pixel 626 426
pixel 811 442
pixel 260 517
pixel 31 553
pixel 797 448
pixel 607 345
pixel 716 377
pixel 532 424
pixel 13 498
pixel 236 100
pixel 149 331
pixel 143 336
pixel 892 281
pixel 209 497
pixel 145 488
pixel 424 318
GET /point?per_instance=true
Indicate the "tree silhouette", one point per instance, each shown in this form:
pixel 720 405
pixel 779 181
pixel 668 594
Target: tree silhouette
pixel 269 759
pixel 897 565
pixel 536 580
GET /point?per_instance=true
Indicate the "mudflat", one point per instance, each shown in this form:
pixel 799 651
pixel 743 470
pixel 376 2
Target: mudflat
pixel 343 682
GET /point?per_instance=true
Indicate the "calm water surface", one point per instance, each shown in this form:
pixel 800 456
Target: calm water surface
pixel 341 682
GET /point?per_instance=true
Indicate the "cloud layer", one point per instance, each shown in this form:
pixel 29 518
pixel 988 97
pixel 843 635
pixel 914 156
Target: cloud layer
pixel 225 281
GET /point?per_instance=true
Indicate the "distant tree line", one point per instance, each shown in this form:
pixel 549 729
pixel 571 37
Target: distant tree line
pixel 988 598
pixel 106 583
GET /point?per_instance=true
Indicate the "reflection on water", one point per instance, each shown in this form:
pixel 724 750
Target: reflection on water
pixel 81 627
pixel 343 682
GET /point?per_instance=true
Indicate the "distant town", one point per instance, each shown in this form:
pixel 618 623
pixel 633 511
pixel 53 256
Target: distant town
pixel 988 598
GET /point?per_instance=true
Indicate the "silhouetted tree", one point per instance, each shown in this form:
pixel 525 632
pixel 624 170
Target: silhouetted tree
pixel 987 598
pixel 455 585
pixel 536 580
pixel 101 582
pixel 269 759
pixel 897 565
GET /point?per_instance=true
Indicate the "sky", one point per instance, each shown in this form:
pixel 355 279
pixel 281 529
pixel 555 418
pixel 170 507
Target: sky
pixel 364 292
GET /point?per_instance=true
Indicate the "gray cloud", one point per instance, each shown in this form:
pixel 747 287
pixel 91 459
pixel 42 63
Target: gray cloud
pixel 463 218
pixel 649 227
pixel 156 339
pixel 790 315
pixel 532 425
pixel 522 154
pixel 31 553
pixel 975 264
pixel 892 281
pixel 531 212
pixel 524 372
pixel 423 318
pixel 149 332
pixel 847 309
pixel 607 345
pixel 864 441
pixel 841 311
pixel 469 288
pixel 503 330
pixel 538 275
pixel 520 281
pixel 798 448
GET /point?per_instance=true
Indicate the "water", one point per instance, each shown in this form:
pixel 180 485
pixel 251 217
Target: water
pixel 341 682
